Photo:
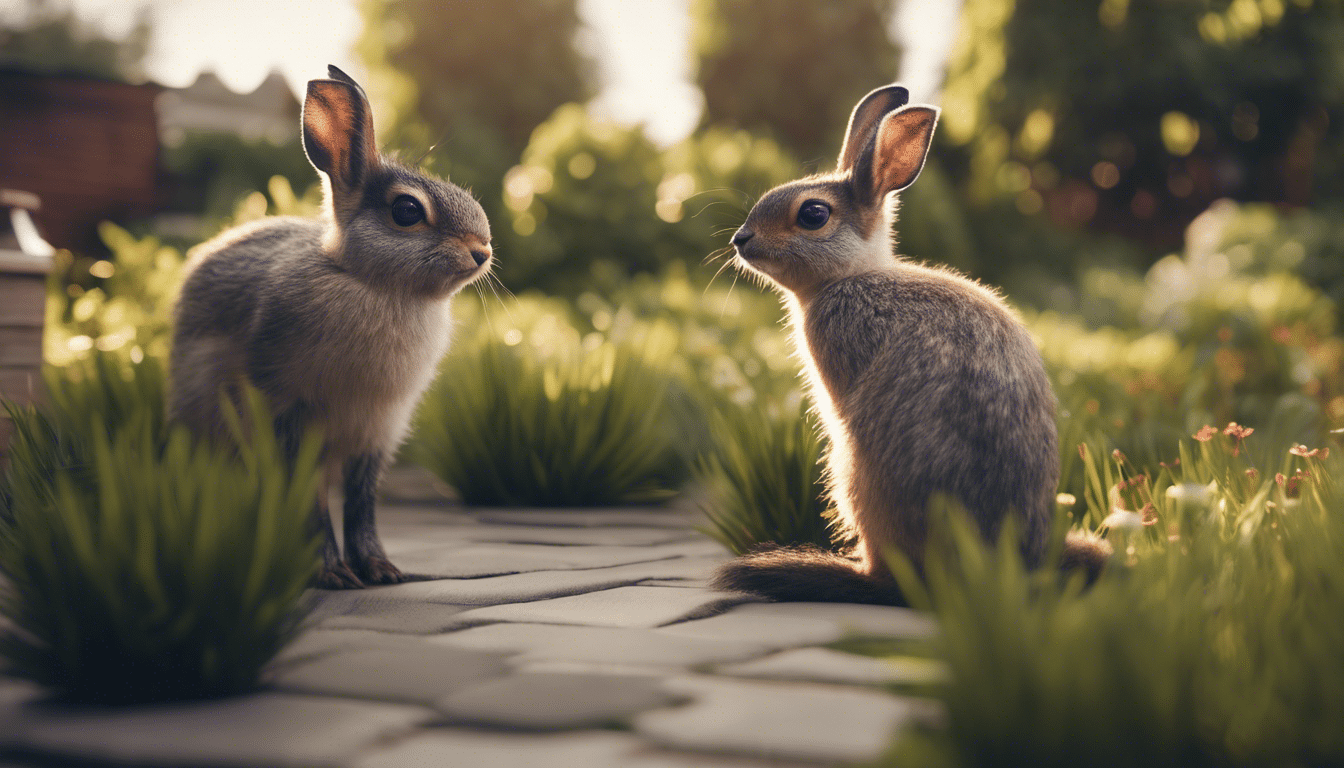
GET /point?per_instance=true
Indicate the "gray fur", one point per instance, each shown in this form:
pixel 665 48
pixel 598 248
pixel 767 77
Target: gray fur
pixel 926 382
pixel 340 321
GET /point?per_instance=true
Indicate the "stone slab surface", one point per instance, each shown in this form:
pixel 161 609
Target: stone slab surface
pixel 785 625
pixel 778 720
pixel 473 560
pixel 619 607
pixel 535 643
pixel 824 665
pixel 633 516
pixel 397 608
pixel 549 701
pixel 269 729
pixel 418 673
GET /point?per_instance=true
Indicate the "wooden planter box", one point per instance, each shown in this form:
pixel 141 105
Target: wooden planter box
pixel 25 261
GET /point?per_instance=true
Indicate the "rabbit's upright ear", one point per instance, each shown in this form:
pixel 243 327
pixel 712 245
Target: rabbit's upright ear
pixel 864 120
pixel 338 130
pixel 896 155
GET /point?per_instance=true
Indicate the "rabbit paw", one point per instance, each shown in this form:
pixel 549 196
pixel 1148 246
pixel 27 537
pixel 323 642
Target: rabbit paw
pixel 338 576
pixel 378 570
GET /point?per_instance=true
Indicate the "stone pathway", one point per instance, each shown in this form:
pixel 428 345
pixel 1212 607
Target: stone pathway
pixel 557 638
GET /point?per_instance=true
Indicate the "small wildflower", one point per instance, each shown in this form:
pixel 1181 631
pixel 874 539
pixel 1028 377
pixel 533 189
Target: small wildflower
pixel 1066 499
pixel 1238 433
pixel 1205 433
pixel 1279 478
pixel 1118 456
pixel 1252 474
pixel 1123 519
pixel 1149 513
pixel 1306 453
pixel 1193 493
pixel 1174 464
pixel 1082 451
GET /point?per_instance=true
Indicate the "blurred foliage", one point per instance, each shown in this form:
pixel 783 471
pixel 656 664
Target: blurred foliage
pixel 1222 332
pixel 142 566
pixel 1213 641
pixel 209 172
pixel 471 78
pixel 1133 116
pixel 763 474
pixel 791 69
pixel 51 39
pixel 123 305
pixel 592 203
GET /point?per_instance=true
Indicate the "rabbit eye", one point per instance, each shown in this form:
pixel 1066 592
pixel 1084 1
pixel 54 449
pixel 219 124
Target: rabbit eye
pixel 814 214
pixel 406 211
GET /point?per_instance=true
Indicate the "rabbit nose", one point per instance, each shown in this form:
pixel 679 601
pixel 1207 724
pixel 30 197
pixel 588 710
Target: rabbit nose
pixel 741 236
pixel 480 255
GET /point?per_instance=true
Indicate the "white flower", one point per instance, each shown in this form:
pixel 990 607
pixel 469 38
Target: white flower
pixel 1123 519
pixel 1193 493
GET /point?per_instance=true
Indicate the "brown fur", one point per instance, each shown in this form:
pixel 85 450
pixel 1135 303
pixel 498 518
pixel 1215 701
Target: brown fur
pixel 340 321
pixel 926 382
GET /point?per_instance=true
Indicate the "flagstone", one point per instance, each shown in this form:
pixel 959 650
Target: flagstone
pixel 271 729
pixel 416 673
pixel 535 643
pixel 550 700
pixel 619 607
pixel 778 720
pixel 825 665
pixel 785 625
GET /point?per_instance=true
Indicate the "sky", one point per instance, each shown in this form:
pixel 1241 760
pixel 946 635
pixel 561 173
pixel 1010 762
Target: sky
pixel 642 47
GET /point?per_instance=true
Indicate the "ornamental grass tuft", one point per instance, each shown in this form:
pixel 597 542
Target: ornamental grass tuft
pixel 511 426
pixel 1214 639
pixel 140 564
pixel 764 480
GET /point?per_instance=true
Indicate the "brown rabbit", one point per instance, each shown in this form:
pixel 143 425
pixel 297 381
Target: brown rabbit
pixel 339 320
pixel 925 381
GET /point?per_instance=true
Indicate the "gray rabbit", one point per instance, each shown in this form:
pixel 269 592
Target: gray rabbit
pixel 925 381
pixel 340 321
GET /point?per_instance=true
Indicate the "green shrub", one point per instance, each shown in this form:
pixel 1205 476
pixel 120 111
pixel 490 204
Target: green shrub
pixel 1217 643
pixel 764 480
pixel 143 566
pixel 559 425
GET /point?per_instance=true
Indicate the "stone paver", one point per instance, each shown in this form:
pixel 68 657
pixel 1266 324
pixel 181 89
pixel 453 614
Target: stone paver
pixel 549 700
pixel 788 720
pixel 267 729
pixel 599 645
pixel 548 637
pixel 418 673
pixel 823 665
pixel 619 607
pixel 784 625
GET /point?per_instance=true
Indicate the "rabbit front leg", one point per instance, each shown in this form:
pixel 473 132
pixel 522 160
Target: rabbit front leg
pixel 334 574
pixel 363 550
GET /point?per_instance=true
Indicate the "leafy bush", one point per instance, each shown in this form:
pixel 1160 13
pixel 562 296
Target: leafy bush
pixel 764 480
pixel 1217 644
pixel 592 203
pixel 142 566
pixel 552 424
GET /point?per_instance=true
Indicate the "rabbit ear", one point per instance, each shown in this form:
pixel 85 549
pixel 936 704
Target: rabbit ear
pixel 897 153
pixel 864 120
pixel 338 130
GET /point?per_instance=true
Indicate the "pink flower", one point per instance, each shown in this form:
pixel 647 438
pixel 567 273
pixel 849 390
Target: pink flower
pixel 1205 433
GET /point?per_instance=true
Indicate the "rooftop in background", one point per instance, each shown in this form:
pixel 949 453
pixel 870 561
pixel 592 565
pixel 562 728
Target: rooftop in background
pixel 270 111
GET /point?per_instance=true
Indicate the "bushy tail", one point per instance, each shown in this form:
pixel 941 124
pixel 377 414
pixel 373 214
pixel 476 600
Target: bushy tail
pixel 805 574
pixel 811 574
pixel 1086 552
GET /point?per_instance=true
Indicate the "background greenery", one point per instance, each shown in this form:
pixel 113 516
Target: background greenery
pixel 1156 187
